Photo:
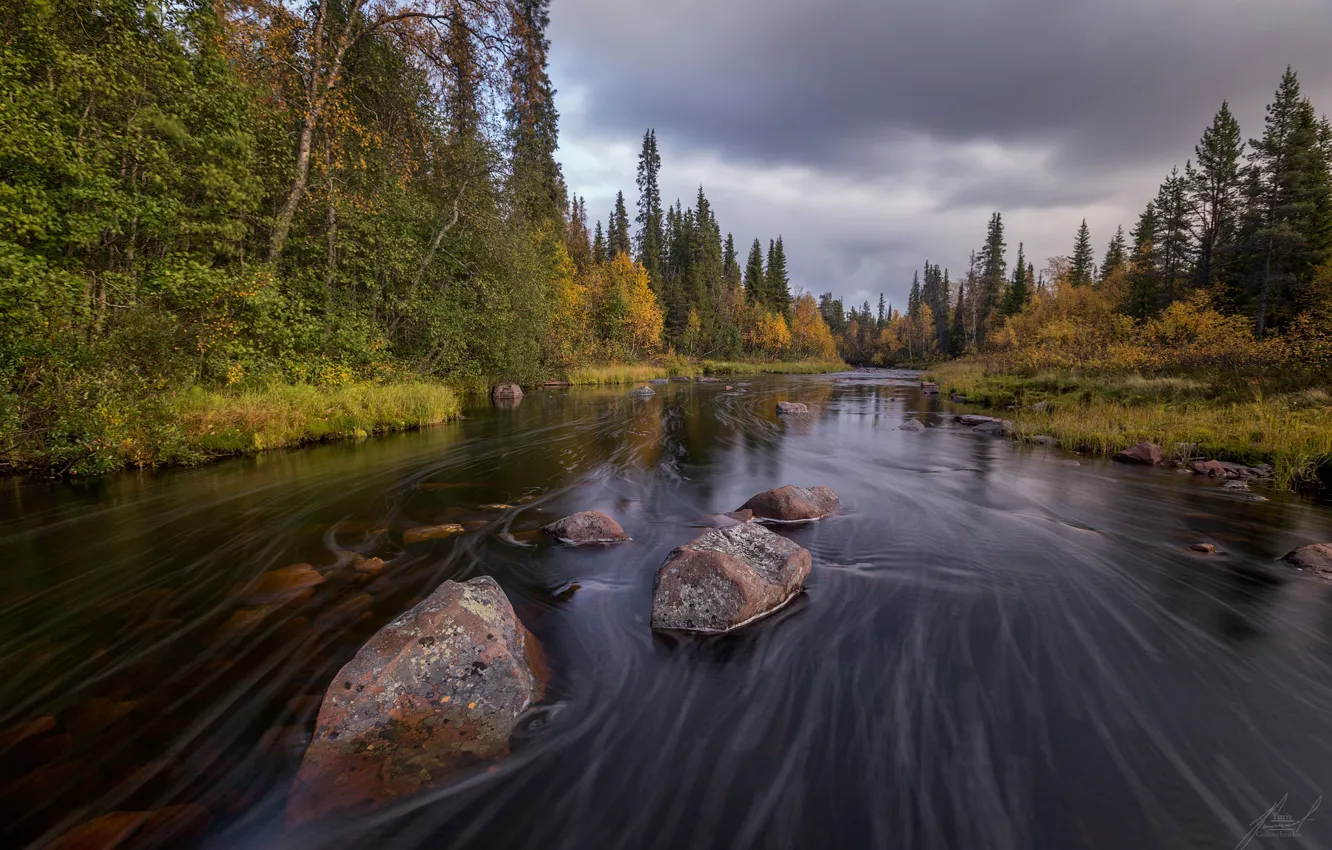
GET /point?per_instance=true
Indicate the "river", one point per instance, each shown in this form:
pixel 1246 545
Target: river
pixel 997 648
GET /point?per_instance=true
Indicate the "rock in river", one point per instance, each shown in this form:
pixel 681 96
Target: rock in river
pixel 586 527
pixel 437 689
pixel 726 578
pixel 1317 559
pixel 791 407
pixel 1145 454
pixel 793 504
pixel 643 392
pixel 912 425
pixel 506 392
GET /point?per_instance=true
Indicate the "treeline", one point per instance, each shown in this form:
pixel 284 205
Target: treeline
pixel 245 193
pixel 1244 231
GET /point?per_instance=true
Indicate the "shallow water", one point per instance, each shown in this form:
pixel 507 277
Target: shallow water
pixel 997 649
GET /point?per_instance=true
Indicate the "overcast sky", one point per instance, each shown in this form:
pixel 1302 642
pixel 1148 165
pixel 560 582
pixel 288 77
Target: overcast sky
pixel 878 134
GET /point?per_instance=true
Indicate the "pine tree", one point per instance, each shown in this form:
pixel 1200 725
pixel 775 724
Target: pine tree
pixel 755 287
pixel 649 208
pixel 1116 254
pixel 913 299
pixel 957 335
pixel 618 240
pixel 882 318
pixel 731 264
pixel 1083 265
pixel 1214 190
pixel 1018 291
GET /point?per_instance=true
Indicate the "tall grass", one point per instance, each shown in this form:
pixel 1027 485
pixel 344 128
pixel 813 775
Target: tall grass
pixel 1104 414
pixel 795 367
pixel 626 373
pixel 636 373
pixel 216 423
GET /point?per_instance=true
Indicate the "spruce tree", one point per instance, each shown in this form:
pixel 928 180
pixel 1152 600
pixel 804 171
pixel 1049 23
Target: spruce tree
pixel 1144 296
pixel 1172 236
pixel 1214 190
pixel 599 244
pixel 619 228
pixel 1018 292
pixel 1289 220
pixel 731 264
pixel 1116 254
pixel 992 267
pixel 957 335
pixel 913 299
pixel 882 318
pixel 536 183
pixel 649 208
pixel 1083 265
pixel 776 279
pixel 755 287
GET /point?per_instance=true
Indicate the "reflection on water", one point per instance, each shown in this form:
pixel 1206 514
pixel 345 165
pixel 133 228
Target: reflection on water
pixel 996 649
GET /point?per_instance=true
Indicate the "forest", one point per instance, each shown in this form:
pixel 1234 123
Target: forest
pixel 1226 268
pixel 236 224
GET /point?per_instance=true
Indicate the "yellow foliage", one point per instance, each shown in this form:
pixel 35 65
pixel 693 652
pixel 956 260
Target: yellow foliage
pixel 810 336
pixel 768 333
pixel 639 324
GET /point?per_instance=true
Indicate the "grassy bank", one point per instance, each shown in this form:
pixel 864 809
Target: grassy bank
pixel 1223 418
pixel 197 426
pixel 637 373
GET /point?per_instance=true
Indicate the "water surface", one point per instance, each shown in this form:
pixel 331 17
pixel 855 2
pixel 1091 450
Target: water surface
pixel 997 649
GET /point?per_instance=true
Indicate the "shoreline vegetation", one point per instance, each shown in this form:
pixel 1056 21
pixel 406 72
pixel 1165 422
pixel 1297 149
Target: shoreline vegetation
pixel 1290 429
pixel 200 426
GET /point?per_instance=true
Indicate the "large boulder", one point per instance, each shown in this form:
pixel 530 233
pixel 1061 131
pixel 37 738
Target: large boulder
pixel 727 578
pixel 793 504
pixel 437 689
pixel 1144 454
pixel 1317 559
pixel 643 392
pixel 912 425
pixel 506 392
pixel 994 428
pixel 791 408
pixel 586 527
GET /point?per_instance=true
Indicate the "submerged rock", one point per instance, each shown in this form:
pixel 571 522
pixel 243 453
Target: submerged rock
pixel 282 585
pixel 793 504
pixel 438 689
pixel 431 532
pixel 1317 559
pixel 586 527
pixel 791 407
pixel 174 826
pixel 659 381
pixel 912 425
pixel 643 392
pixel 1204 548
pixel 506 392
pixel 707 379
pixel 994 428
pixel 727 578
pixel 680 379
pixel 1043 440
pixel 1210 468
pixel 1144 454
pixel 971 420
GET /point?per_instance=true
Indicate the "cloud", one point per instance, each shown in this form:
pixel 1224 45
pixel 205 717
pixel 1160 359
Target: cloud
pixel 876 135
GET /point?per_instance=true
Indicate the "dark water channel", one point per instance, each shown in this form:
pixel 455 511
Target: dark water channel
pixel 997 649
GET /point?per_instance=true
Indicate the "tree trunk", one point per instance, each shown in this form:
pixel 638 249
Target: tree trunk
pixel 282 226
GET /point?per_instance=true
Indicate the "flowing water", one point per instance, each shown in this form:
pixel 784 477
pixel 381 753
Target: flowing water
pixel 997 649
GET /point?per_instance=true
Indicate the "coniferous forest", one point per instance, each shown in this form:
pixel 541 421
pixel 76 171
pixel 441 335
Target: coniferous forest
pixel 314 204
pixel 1228 266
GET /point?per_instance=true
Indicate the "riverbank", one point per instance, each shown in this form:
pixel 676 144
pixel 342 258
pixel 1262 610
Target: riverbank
pixel 1221 418
pixel 197 426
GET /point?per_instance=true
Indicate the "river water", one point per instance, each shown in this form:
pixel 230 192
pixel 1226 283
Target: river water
pixel 997 649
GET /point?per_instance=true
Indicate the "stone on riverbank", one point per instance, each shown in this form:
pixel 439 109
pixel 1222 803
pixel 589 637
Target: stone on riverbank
pixel 1144 454
pixel 438 689
pixel 727 578
pixel 994 428
pixel 793 504
pixel 1316 558
pixel 586 527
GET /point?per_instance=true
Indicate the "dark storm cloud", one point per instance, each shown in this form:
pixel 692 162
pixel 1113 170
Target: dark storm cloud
pixel 876 134
pixel 817 81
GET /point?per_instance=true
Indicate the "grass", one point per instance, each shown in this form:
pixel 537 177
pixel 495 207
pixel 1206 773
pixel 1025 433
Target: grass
pixel 795 367
pixel 625 373
pixel 1104 414
pixel 219 423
